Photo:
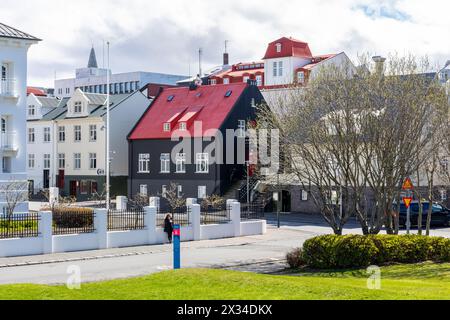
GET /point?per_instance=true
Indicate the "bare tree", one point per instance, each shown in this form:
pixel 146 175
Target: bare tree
pixel 173 197
pixel 14 193
pixel 214 201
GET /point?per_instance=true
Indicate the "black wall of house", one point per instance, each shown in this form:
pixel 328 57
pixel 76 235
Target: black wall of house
pixel 220 176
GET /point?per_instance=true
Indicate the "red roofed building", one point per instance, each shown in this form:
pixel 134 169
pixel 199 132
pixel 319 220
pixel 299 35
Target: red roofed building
pixel 241 73
pixel 198 115
pixel 36 91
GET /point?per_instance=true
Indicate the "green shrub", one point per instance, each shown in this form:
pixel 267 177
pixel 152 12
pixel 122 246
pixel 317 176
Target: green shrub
pixel 332 251
pixel 73 217
pixel 295 258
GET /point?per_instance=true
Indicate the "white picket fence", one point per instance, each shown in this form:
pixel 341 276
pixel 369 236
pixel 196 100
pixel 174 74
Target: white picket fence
pixel 152 234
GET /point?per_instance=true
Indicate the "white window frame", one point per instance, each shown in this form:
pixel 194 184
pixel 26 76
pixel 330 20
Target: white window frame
pixel 31 160
pixel 443 194
pixel 47 135
pixel 77 161
pixel 31 135
pixel 61 134
pixel 202 192
pixel 278 47
pixel 181 163
pixel 213 82
pixel 259 80
pixel 179 191
pixel 163 190
pixel 144 163
pixel 93 133
pixel 226 80
pixel 202 163
pixel 183 126
pixel 77 133
pixel 304 195
pixel 165 162
pixel 166 127
pixel 47 161
pixel 92 161
pixel 245 79
pixel 143 189
pixel 301 77
pixel 61 161
pixel 242 128
pixel 31 110
pixel 77 107
pixel 275 69
pixel 280 68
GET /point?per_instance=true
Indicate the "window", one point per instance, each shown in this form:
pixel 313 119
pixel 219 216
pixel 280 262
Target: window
pixel 202 163
pixel 180 191
pixel 67 90
pixel 241 128
pixel 301 77
pixel 275 69
pixel 226 80
pixel 93 133
pixel 253 103
pixel 170 98
pixel 47 134
pixel 228 94
pixel 163 191
pixel 443 194
pixel 77 107
pixel 92 161
pixel 165 163
pixel 61 133
pixel 444 166
pixel 144 163
pixel 31 135
pixel 213 82
pixel 77 133
pixel 183 126
pixel 61 161
pixel 202 192
pixel 77 161
pixel 181 162
pixel 167 127
pixel 259 80
pixel 84 186
pixel 304 195
pixel 31 161
pixel 246 78
pixel 31 110
pixel 280 68
pixel 46 161
pixel 143 190
pixel 278 47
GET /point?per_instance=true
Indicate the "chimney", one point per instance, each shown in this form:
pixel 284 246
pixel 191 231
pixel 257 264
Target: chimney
pixel 379 64
pixel 226 57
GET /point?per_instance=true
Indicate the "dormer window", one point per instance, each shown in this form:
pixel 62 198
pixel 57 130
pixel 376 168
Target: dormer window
pixel 31 110
pixel 77 107
pixel 183 126
pixel 166 127
pixel 278 46
pixel 301 77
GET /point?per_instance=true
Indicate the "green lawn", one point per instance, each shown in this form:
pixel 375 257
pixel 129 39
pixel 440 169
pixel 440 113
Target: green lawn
pixel 420 281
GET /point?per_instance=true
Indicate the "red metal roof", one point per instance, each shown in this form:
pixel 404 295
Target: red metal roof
pixel 290 47
pixel 206 104
pixel 37 92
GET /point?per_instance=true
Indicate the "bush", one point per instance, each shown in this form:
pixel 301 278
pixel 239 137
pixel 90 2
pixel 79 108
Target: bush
pixel 295 259
pixel 333 251
pixel 73 217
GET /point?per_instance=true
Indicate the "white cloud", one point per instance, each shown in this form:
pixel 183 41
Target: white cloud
pixel 163 35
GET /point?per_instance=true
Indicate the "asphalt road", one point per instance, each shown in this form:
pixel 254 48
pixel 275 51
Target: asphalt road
pixel 263 254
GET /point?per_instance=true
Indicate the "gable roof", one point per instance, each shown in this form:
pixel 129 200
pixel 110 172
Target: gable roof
pixel 206 104
pixel 10 32
pixel 48 102
pixel 290 47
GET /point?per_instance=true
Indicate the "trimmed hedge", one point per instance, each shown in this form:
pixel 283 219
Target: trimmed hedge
pixel 73 217
pixel 351 251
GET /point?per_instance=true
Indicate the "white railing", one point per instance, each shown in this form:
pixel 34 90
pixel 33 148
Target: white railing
pixel 7 140
pixel 8 87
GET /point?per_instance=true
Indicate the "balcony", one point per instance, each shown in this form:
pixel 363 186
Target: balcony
pixel 8 141
pixel 8 88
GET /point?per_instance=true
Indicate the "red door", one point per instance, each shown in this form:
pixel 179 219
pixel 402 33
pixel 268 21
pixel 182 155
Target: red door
pixel 61 179
pixel 73 188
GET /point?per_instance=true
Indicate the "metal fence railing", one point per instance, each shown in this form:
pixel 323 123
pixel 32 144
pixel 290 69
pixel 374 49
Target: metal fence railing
pixel 73 221
pixel 252 211
pixel 24 225
pixel 180 216
pixel 129 219
pixel 216 215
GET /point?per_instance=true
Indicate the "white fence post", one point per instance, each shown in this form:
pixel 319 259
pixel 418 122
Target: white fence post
pixel 235 216
pixel 46 231
pixel 154 202
pixel 121 203
pixel 53 196
pixel 150 223
pixel 194 219
pixel 101 227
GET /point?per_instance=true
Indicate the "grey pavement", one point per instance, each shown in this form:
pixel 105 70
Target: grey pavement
pixel 262 254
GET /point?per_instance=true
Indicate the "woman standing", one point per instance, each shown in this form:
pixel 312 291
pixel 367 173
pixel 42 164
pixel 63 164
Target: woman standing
pixel 168 226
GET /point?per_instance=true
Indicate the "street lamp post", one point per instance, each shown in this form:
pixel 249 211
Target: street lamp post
pixel 108 195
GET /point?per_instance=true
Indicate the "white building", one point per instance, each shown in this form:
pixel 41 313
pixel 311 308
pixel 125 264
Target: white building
pixel 40 144
pixel 94 80
pixel 70 147
pixel 14 45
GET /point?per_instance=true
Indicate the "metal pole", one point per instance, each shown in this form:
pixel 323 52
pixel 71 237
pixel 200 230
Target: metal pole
pixel 108 196
pixel 248 184
pixel 408 217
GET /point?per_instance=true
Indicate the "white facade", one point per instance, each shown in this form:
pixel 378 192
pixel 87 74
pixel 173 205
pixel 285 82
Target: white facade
pixel 280 71
pixel 13 61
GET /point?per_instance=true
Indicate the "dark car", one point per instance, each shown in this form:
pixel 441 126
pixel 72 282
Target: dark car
pixel 440 215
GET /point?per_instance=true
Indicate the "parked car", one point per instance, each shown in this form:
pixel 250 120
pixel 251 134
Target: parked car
pixel 440 215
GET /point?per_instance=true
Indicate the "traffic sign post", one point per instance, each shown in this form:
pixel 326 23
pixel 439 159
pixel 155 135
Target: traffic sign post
pixel 176 247
pixel 408 187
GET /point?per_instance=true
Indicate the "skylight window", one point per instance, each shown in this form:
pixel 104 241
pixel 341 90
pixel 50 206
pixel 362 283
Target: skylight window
pixel 228 94
pixel 170 98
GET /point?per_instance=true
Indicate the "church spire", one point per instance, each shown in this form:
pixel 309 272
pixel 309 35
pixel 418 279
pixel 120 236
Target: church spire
pixel 92 59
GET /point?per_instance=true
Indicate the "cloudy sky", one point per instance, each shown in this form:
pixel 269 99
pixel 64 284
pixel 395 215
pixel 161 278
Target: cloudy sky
pixel 164 35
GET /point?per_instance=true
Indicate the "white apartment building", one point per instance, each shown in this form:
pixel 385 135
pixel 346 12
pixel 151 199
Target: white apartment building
pixel 69 151
pixel 94 80
pixel 14 45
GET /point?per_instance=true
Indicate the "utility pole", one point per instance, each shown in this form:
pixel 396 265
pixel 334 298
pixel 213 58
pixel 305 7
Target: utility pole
pixel 108 195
